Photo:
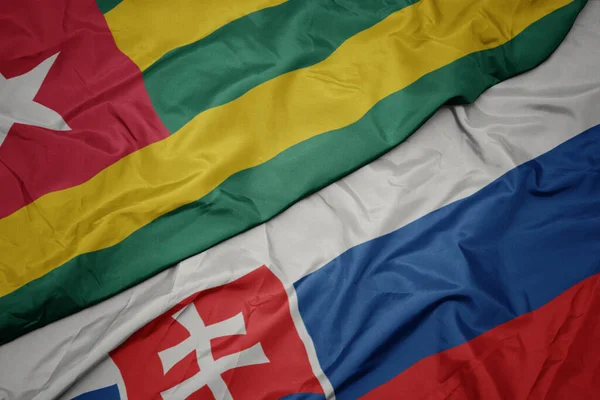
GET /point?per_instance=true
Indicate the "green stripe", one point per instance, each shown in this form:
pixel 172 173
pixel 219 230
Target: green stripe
pixel 253 196
pixel 254 49
pixel 107 5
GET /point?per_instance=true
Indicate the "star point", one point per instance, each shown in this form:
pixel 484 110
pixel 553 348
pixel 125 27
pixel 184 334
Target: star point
pixel 17 104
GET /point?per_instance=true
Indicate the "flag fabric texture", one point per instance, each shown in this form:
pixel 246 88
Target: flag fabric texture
pixel 135 134
pixel 462 264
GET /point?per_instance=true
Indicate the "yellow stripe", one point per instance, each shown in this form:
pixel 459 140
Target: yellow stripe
pixel 146 30
pixel 253 129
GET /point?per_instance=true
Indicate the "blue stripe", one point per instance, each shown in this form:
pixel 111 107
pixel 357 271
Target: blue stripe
pixel 459 271
pixel 304 396
pixel 107 393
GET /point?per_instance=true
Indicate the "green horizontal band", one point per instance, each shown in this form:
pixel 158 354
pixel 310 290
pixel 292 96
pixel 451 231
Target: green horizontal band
pixel 107 5
pixel 254 49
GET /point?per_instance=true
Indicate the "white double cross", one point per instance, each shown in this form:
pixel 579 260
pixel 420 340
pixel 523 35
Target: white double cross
pixel 210 369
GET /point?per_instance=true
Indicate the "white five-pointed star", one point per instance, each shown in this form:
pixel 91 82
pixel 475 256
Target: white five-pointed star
pixel 17 105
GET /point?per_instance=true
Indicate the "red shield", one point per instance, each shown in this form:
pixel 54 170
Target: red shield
pixel 235 341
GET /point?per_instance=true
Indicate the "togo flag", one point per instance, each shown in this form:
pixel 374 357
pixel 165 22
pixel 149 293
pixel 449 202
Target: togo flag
pixel 135 134
pixel 463 264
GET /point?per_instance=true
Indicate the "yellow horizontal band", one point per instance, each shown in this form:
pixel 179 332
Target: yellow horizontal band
pixel 253 129
pixel 145 30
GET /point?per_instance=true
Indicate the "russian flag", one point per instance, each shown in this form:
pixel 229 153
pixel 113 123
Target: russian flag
pixel 493 296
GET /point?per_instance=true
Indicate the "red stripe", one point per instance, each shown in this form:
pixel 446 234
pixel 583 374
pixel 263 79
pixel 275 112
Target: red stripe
pixel 550 353
pixel 97 89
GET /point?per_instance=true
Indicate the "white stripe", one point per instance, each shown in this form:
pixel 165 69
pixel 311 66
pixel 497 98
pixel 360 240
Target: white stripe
pixel 460 150
pixel 307 340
